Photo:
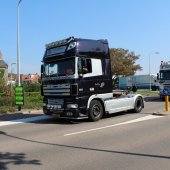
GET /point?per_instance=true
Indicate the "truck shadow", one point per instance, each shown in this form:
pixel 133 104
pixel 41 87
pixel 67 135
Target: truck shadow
pixel 62 121
pixel 20 117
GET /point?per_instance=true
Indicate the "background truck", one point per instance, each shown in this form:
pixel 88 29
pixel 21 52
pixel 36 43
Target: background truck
pixel 164 79
pixel 141 81
pixel 77 82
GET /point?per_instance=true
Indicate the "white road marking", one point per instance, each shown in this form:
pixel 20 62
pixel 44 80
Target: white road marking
pixel 123 123
pixel 18 121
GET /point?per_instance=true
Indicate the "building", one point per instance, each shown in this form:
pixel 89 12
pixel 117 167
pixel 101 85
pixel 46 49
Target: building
pixel 3 68
pixel 30 78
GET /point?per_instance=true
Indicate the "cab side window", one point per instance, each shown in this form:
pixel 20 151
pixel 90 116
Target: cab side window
pixel 86 65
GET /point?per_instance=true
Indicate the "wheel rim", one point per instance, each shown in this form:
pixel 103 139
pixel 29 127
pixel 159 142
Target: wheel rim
pixel 138 104
pixel 96 110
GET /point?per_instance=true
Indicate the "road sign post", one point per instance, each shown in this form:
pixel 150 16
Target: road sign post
pixel 19 97
pixel 167 103
pixel 166 94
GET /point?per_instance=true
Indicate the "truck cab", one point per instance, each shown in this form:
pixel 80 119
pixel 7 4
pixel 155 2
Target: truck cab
pixel 164 79
pixel 76 79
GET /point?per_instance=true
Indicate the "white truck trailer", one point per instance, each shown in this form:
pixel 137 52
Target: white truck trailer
pixel 140 81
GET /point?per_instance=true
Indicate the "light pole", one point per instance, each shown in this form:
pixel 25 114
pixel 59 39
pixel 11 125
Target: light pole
pixel 11 75
pixel 18 43
pixel 150 86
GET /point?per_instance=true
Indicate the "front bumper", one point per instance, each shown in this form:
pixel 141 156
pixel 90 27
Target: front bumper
pixel 64 113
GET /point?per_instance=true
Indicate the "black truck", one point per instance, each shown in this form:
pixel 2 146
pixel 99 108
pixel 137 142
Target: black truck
pixel 77 81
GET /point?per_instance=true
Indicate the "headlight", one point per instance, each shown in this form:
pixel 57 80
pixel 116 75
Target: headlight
pixel 72 106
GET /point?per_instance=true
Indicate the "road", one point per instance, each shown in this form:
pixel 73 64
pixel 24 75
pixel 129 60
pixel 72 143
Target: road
pixel 125 141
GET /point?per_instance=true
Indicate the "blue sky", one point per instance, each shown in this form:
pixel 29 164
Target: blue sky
pixel 142 26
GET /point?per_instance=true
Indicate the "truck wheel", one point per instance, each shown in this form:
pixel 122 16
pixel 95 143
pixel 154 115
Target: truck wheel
pixel 46 111
pixel 138 105
pixel 95 110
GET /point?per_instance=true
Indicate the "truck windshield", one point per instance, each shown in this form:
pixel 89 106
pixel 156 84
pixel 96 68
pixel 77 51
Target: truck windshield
pixel 60 68
pixel 165 75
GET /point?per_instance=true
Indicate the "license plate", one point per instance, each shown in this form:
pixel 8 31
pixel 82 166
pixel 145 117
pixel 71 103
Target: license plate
pixel 56 115
pixel 54 106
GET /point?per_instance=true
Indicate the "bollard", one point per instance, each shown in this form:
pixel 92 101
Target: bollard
pixel 167 103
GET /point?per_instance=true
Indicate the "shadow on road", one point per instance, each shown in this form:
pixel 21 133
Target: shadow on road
pixel 15 116
pixel 8 158
pixel 79 147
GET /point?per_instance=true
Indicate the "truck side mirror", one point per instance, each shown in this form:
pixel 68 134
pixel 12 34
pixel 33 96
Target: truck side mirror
pixel 42 69
pixel 157 76
pixel 80 71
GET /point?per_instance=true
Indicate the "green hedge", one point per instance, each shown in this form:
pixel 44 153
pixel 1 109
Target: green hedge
pixel 32 100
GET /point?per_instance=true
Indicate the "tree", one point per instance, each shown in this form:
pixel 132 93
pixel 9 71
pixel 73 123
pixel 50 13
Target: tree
pixel 4 88
pixel 123 62
pixel 2 73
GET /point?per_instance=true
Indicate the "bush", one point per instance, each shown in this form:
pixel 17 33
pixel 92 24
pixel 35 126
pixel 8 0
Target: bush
pixel 5 109
pixel 33 100
pixel 2 73
pixel 7 100
pixel 32 87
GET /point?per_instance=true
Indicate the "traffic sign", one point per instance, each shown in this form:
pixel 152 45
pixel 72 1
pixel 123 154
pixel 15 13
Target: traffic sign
pixel 19 96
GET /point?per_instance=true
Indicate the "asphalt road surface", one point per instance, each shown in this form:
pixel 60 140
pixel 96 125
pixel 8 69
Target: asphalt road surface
pixel 124 141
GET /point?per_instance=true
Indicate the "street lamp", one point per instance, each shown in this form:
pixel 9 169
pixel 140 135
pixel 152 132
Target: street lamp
pixel 18 43
pixel 11 75
pixel 150 71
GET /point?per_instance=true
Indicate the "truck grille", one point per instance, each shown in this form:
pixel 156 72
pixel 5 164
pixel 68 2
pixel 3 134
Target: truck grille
pixel 56 90
pixel 166 86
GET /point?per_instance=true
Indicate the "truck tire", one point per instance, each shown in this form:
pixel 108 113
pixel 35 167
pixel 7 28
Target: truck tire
pixel 47 112
pixel 138 105
pixel 95 110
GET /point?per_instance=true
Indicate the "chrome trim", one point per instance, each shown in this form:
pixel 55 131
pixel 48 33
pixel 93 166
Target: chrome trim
pixel 56 86
pixel 63 94
pixel 57 91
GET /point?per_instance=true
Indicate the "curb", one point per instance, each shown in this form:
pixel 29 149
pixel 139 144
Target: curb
pixel 161 113
pixel 29 111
